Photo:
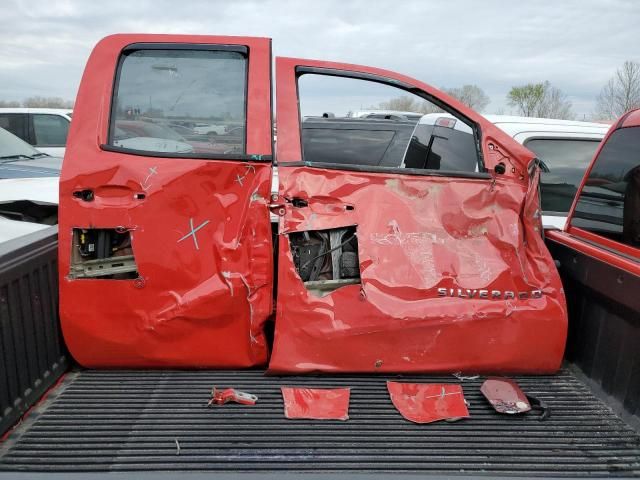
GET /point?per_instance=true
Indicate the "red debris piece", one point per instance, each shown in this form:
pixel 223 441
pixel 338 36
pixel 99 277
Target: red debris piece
pixel 316 403
pixel 220 397
pixel 428 402
pixel 505 395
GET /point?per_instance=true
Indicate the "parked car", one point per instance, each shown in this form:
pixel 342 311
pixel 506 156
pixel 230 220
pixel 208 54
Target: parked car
pixel 386 115
pixel 28 187
pixel 209 129
pixel 44 128
pixel 144 135
pixel 18 159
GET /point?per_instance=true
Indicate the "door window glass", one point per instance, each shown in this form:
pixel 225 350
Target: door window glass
pixel 359 122
pixel 566 160
pixel 182 102
pixel 609 204
pixel 442 143
pixel 50 130
pixel 15 123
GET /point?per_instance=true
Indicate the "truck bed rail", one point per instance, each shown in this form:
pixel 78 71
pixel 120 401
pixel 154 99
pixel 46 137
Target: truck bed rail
pixel 32 354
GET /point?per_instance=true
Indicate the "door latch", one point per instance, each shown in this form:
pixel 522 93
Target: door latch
pixel 277 206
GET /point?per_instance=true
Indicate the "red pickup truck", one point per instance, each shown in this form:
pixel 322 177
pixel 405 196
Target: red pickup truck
pixel 398 257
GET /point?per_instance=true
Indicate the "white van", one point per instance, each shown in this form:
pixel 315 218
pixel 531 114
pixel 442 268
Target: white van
pixel 44 128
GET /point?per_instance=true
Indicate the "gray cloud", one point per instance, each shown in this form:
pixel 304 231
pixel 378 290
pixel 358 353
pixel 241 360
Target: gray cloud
pixel 576 45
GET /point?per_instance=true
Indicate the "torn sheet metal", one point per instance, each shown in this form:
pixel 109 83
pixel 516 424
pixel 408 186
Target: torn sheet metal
pixel 316 403
pixel 505 396
pixel 200 237
pixel 428 402
pixel 454 276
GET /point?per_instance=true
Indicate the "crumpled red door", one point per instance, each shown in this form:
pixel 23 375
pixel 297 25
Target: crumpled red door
pixel 453 272
pixel 428 402
pixel 199 225
pixel 316 403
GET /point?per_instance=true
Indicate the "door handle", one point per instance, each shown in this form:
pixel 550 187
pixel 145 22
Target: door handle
pixel 109 193
pixel 84 195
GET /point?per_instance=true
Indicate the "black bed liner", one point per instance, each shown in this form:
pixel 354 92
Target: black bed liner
pixel 135 420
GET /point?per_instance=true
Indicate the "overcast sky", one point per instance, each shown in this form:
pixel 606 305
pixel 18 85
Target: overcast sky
pixel 576 45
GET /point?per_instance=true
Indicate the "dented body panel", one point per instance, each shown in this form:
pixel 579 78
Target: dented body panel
pixel 316 403
pixel 453 269
pixel 419 235
pixel 428 402
pixel 200 234
pixel 440 271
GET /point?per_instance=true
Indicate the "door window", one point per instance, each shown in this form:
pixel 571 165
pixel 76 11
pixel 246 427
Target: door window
pixel 358 122
pixel 50 130
pixel 181 102
pixel 609 204
pixel 566 160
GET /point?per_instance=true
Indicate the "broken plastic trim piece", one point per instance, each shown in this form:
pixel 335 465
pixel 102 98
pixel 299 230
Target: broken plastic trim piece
pixel 428 402
pixel 220 397
pixel 505 396
pixel 316 403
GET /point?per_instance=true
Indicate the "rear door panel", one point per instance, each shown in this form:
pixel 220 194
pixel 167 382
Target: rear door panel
pixel 454 274
pixel 199 230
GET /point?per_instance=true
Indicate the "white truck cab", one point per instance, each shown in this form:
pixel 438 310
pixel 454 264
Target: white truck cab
pixel 44 128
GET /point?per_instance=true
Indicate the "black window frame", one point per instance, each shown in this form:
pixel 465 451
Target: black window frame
pixel 606 245
pixel 482 173
pixel 242 49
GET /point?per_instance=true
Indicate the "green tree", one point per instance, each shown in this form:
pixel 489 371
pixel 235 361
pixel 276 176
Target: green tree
pixel 526 98
pixel 540 100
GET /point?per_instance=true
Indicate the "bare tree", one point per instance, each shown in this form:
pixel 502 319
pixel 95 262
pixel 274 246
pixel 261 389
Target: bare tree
pixel 471 95
pixel 407 103
pixel 47 102
pixel 9 103
pixel 621 93
pixel 540 100
pixel 554 104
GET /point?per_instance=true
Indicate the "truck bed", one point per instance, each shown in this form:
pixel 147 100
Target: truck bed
pixel 95 421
